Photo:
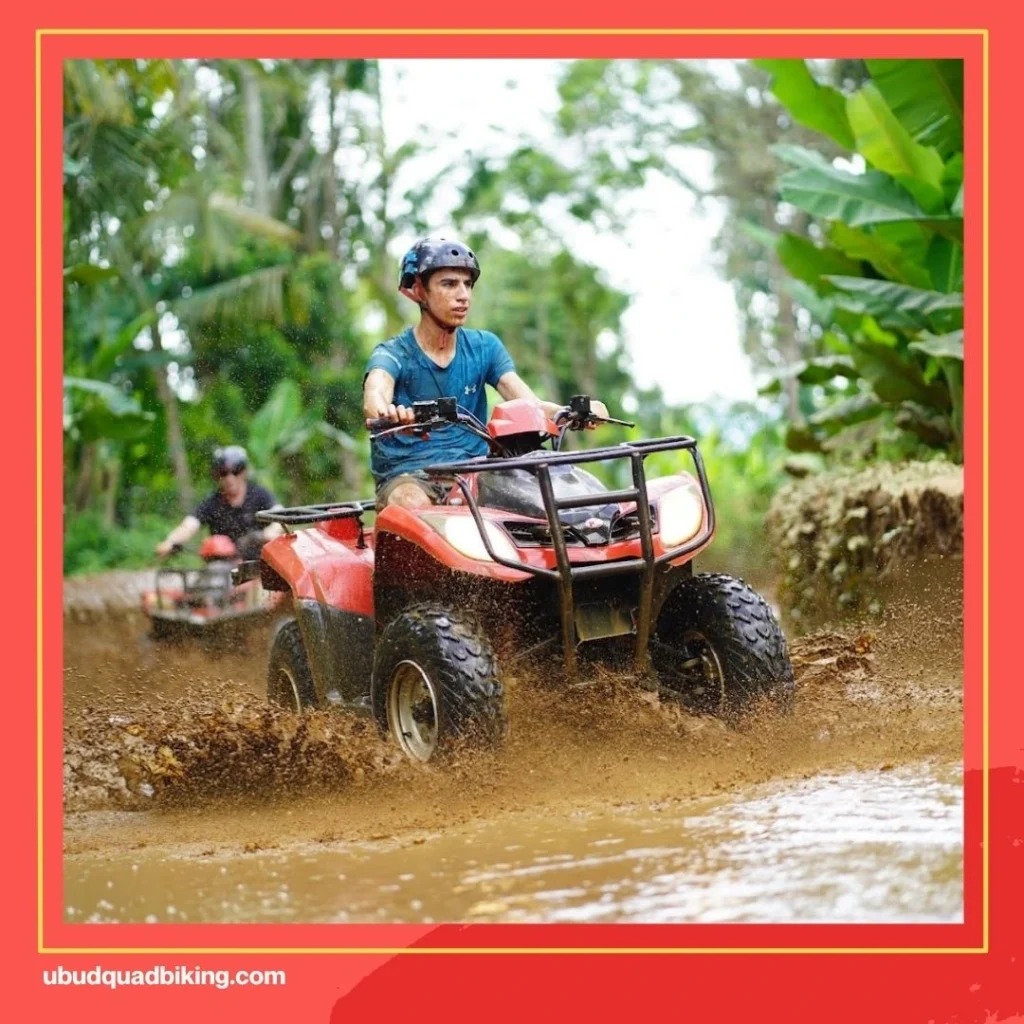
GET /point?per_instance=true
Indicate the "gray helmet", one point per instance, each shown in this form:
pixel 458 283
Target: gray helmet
pixel 230 459
pixel 430 254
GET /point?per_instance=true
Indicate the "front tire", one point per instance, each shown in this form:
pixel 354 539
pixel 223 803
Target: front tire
pixel 719 649
pixel 289 679
pixel 162 629
pixel 435 683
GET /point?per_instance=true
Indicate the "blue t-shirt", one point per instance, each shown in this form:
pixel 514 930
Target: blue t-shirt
pixel 480 358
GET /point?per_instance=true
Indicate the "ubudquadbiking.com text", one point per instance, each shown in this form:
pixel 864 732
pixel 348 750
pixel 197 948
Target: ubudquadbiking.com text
pixel 109 978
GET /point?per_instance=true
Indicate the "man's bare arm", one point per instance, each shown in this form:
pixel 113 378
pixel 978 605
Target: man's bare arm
pixel 512 386
pixel 184 531
pixel 378 396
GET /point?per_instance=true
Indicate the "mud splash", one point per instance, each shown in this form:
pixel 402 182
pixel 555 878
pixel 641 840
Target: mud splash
pixel 214 740
pixel 185 792
pixel 225 746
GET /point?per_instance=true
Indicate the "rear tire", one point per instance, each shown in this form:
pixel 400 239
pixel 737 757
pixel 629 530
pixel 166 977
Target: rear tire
pixel 289 679
pixel 719 649
pixel 435 683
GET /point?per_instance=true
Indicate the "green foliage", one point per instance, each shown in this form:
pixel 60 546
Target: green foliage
pixel 900 316
pixel 226 279
pixel 887 145
pixel 855 199
pixel 816 106
pixel 93 545
pixel 927 98
pixel 98 410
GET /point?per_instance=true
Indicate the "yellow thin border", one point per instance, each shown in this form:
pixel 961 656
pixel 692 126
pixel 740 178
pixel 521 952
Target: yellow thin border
pixel 39 489
pixel 370 950
pixel 514 31
pixel 984 499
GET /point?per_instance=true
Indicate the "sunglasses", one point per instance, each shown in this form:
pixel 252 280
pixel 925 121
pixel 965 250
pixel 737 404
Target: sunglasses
pixel 235 471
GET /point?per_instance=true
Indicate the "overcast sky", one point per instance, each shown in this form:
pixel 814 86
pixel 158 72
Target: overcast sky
pixel 681 328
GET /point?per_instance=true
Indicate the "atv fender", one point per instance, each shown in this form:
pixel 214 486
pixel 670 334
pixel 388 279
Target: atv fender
pixel 331 581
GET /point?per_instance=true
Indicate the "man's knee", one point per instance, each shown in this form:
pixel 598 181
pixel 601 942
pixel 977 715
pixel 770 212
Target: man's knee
pixel 409 495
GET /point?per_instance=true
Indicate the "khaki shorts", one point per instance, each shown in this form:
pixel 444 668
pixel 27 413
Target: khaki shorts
pixel 436 488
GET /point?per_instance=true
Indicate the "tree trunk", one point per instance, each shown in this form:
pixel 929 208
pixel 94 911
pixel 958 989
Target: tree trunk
pixel 351 474
pixel 787 330
pixel 581 352
pixel 175 439
pixel 311 209
pixel 787 339
pixel 546 374
pixel 83 481
pixel 331 177
pixel 254 144
pixel 111 477
pixel 382 266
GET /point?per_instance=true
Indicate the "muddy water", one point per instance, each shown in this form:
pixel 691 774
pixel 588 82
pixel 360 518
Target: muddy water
pixel 187 799
pixel 856 846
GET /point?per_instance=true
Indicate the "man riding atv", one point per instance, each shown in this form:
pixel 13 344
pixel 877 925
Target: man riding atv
pixel 436 358
pixel 228 511
pixel 492 546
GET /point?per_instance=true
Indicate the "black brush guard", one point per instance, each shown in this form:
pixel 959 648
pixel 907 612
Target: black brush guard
pixel 567 573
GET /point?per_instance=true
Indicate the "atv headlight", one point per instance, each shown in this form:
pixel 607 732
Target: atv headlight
pixel 460 531
pixel 680 513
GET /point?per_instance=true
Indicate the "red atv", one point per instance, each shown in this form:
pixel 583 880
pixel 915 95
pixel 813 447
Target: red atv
pixel 199 602
pixel 528 552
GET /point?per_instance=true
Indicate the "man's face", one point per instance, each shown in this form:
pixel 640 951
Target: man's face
pixel 448 295
pixel 232 482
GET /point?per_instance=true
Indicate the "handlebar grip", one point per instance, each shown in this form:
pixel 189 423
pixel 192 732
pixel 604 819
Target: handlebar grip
pixel 380 423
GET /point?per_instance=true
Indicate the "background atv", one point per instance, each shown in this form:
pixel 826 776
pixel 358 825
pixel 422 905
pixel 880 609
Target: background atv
pixel 191 602
pixel 529 552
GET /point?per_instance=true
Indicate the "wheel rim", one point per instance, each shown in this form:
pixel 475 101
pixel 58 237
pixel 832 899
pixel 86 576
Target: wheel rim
pixel 412 710
pixel 704 668
pixel 289 688
pixel 695 669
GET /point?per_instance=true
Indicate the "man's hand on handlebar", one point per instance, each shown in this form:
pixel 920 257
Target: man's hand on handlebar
pixel 166 548
pixel 388 416
pixel 585 413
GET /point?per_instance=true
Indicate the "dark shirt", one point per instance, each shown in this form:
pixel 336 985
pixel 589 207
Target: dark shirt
pixel 232 521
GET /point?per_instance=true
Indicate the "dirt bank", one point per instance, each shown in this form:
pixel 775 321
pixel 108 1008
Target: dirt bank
pixel 850 541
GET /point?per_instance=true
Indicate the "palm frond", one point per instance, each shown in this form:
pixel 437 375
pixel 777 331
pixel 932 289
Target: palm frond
pixel 252 297
pixel 253 222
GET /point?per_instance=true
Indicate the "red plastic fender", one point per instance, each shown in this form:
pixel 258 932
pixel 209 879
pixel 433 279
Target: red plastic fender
pixel 319 567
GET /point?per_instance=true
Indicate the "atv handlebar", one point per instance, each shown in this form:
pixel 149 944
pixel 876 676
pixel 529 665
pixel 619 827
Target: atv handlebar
pixel 578 415
pixel 442 412
pixel 430 415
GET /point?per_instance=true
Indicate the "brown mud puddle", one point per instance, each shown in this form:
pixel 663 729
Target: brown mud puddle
pixel 188 799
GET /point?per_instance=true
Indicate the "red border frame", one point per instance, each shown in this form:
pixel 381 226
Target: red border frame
pixel 943 990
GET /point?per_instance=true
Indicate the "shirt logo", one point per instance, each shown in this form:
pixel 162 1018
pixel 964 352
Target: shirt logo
pixel 469 389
